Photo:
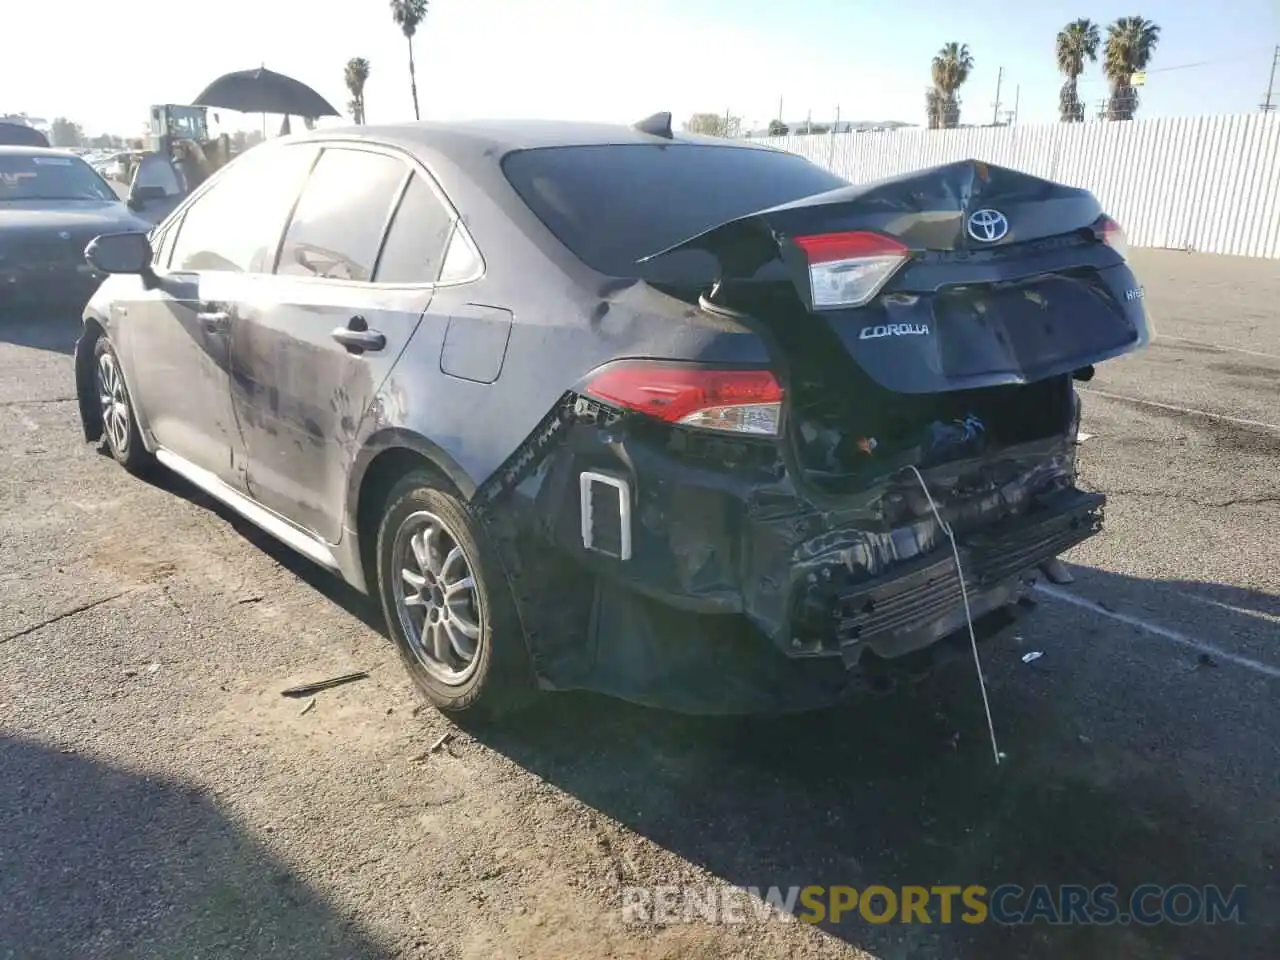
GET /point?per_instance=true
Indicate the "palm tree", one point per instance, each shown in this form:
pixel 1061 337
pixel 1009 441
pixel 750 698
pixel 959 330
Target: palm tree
pixel 1130 43
pixel 408 15
pixel 951 68
pixel 356 75
pixel 933 107
pixel 1077 43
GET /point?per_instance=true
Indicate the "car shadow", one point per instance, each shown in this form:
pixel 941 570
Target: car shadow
pixel 100 861
pixel 54 330
pixel 328 584
pixel 902 790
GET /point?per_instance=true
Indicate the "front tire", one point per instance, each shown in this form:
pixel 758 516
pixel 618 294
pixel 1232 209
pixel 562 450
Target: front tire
pixel 448 605
pixel 120 434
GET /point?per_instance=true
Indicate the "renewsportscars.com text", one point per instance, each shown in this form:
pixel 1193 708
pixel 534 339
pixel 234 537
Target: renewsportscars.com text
pixel 1008 904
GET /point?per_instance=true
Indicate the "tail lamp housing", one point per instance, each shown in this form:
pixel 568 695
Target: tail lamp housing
pixel 849 269
pixel 1110 233
pixel 727 401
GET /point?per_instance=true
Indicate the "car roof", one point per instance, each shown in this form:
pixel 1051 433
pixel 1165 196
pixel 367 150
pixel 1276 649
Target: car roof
pixel 468 141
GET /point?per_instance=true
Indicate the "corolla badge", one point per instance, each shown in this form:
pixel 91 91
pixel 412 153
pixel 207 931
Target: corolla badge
pixel 988 226
pixel 64 235
pixel 894 330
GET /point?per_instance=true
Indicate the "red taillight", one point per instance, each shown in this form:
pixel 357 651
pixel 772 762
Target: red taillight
pixel 1110 233
pixel 849 269
pixel 736 401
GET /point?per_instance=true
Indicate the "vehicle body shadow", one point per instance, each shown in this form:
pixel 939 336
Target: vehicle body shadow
pixel 54 330
pixel 98 861
pixel 902 790
pixel 330 585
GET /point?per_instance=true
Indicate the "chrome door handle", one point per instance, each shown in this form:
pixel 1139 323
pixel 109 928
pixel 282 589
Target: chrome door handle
pixel 357 337
pixel 358 341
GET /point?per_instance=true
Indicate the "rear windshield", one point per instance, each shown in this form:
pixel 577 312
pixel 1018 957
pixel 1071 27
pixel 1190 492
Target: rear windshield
pixel 50 177
pixel 613 204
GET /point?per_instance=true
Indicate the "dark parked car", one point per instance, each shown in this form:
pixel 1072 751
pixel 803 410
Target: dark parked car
pixel 673 418
pixel 52 203
pixel 21 135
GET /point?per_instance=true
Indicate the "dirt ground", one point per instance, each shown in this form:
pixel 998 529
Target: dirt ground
pixel 160 799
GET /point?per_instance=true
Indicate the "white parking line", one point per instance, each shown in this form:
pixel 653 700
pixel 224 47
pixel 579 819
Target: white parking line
pixel 1218 346
pixel 1176 409
pixel 1155 630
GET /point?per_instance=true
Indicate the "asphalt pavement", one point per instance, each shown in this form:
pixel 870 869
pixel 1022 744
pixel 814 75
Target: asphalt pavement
pixel 159 798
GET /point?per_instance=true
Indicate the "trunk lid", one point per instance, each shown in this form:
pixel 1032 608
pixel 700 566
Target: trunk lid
pixel 1005 278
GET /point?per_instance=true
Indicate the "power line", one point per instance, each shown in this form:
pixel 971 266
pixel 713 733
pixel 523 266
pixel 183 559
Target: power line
pixel 1267 105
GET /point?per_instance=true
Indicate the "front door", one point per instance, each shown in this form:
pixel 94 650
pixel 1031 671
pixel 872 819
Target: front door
pixel 180 333
pixel 177 343
pixel 309 353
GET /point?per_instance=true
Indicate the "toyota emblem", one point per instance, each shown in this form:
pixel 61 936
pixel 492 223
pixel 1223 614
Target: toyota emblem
pixel 988 226
pixel 64 235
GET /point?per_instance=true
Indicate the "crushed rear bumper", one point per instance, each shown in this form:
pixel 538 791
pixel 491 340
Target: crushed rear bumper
pixel 729 591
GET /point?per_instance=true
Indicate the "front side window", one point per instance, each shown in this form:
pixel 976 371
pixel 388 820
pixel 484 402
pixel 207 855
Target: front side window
pixel 337 228
pixel 235 225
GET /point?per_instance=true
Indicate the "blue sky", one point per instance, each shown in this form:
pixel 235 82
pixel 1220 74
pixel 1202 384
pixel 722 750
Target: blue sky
pixel 620 59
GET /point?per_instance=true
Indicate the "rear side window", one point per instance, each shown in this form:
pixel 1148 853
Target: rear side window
pixel 613 204
pixel 414 247
pixel 337 226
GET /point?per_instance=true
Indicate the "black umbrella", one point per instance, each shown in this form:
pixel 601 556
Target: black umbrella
pixel 264 91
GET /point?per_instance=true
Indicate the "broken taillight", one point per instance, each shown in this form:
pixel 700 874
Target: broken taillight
pixel 1110 233
pixel 732 401
pixel 849 269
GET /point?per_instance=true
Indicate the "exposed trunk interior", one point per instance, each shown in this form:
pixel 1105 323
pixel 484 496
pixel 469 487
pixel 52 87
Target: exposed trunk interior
pixel 846 429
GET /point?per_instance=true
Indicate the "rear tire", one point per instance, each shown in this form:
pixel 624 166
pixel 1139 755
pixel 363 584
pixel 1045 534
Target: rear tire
pixel 448 604
pixel 120 434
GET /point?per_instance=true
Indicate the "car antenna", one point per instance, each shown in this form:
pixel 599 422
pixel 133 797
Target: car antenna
pixel 659 125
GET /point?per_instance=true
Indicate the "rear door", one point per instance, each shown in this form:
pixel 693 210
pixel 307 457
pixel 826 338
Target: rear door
pixel 312 344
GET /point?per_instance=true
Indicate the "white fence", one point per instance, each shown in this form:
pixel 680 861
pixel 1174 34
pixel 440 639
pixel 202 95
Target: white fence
pixel 1198 183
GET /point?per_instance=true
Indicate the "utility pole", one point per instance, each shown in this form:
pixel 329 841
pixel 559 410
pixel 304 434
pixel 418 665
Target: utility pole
pixel 1267 105
pixel 780 120
pixel 995 114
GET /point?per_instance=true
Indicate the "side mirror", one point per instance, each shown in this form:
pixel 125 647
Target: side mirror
pixel 120 253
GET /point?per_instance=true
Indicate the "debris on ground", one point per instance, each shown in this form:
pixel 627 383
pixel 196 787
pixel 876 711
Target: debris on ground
pixel 307 709
pixel 153 668
pixel 1032 655
pixel 434 748
pixel 1206 661
pixel 306 689
pixel 441 742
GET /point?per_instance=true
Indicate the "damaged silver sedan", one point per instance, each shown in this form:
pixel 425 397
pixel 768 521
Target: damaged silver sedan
pixel 690 422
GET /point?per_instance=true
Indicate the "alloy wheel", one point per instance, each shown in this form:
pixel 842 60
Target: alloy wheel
pixel 436 599
pixel 114 403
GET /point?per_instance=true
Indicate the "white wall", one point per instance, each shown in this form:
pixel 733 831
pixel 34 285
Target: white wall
pixel 1202 183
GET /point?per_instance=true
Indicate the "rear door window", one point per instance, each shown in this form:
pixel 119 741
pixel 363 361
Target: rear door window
pixel 414 248
pixel 337 227
pixel 613 204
